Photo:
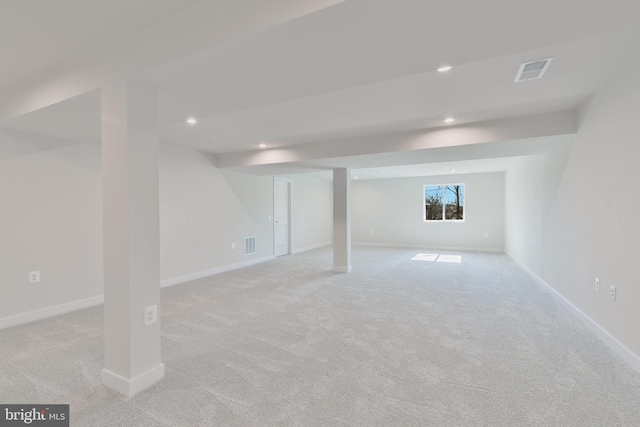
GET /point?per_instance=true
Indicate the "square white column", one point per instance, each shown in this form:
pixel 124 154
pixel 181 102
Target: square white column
pixel 131 236
pixel 341 221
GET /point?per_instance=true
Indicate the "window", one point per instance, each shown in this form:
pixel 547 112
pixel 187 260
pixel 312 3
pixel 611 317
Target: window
pixel 444 202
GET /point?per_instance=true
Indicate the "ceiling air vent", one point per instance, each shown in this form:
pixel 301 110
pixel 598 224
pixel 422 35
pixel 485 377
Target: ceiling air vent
pixel 532 70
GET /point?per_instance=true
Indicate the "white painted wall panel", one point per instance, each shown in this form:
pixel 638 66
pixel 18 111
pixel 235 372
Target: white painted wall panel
pixel 572 215
pixel 392 210
pixel 311 216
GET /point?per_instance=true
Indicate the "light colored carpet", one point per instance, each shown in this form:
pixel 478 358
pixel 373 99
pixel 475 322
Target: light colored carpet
pixel 288 343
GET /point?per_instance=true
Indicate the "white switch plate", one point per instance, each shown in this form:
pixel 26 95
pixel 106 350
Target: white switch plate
pixel 486 235
pixel 612 293
pixel 150 315
pixel 597 285
pixel 34 277
pixel 233 245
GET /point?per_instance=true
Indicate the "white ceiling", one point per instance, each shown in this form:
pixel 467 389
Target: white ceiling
pixel 370 65
pixel 471 92
pixel 355 68
pixel 36 36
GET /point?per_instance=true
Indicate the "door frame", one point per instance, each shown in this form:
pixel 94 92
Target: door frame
pixel 289 213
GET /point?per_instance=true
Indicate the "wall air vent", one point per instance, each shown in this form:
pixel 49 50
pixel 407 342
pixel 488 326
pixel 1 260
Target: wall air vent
pixel 532 70
pixel 249 245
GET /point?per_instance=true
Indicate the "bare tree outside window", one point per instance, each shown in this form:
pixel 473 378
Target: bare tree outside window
pixel 444 202
pixel 433 203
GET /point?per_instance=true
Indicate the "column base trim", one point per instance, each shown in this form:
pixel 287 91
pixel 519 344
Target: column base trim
pixel 338 269
pixel 133 386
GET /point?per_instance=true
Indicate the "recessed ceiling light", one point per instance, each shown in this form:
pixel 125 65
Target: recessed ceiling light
pixel 355 177
pixel 192 120
pixel 262 145
pixel 444 68
pixel 449 120
pixel 453 170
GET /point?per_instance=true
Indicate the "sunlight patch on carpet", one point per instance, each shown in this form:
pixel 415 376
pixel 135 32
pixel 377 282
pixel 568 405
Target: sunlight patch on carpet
pixel 425 257
pixel 438 258
pixel 450 258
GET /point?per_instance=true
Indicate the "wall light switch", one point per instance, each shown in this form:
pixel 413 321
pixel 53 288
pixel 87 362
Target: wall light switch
pixel 150 315
pixel 597 285
pixel 612 293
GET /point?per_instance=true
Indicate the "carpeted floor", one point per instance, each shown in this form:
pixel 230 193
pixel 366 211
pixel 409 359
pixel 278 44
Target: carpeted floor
pixel 288 343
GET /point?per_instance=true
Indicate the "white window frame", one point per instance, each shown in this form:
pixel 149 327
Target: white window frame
pixel 424 207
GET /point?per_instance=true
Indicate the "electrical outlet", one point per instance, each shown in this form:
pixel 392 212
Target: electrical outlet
pixel 34 277
pixel 486 235
pixel 612 293
pixel 150 315
pixel 597 285
pixel 233 245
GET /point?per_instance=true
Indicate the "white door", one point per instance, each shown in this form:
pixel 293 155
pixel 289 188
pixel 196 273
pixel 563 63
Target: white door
pixel 281 216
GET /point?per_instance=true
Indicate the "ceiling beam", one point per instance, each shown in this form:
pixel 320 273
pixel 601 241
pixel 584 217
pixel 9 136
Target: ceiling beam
pixel 515 128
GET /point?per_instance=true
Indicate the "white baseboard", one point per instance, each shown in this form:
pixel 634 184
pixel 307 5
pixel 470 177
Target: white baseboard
pixel 31 316
pixel 43 313
pixel 425 247
pixel 620 349
pixel 212 271
pixel 339 269
pixel 310 248
pixel 133 386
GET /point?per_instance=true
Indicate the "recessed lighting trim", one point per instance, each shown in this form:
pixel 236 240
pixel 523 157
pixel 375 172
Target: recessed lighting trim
pixel 449 120
pixel 262 145
pixel 453 171
pixel 444 68
pixel 192 120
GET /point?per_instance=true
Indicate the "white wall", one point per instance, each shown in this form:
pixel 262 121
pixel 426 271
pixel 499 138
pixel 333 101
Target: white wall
pixel 204 210
pixel 572 215
pixel 311 216
pixel 392 209
pixel 51 220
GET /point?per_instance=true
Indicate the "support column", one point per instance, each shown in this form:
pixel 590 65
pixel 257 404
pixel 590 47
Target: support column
pixel 341 221
pixel 131 236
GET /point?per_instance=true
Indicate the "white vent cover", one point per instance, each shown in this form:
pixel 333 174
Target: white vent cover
pixel 532 70
pixel 249 245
